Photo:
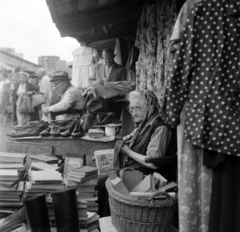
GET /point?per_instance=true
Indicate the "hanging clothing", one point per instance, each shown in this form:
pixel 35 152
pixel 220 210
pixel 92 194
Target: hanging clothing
pixel 194 184
pixel 205 78
pixel 84 59
pixel 152 40
pixel 206 75
pixel 181 21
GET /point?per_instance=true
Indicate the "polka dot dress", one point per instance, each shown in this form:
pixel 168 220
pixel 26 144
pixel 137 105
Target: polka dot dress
pixel 206 75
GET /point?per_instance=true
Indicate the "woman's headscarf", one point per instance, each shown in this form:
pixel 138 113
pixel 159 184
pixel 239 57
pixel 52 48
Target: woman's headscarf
pixel 153 109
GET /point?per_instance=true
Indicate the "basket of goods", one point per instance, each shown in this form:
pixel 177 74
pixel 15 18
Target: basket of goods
pixel 150 211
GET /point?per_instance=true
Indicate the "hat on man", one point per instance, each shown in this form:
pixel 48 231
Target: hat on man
pixel 60 76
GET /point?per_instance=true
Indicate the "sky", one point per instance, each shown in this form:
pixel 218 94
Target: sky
pixel 27 26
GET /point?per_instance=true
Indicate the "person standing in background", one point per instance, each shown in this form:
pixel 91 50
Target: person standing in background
pixel 4 96
pixel 46 89
pixel 23 87
pixel 14 83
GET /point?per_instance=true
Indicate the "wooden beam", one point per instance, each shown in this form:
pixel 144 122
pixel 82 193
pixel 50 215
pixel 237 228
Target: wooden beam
pixel 81 25
pixel 127 29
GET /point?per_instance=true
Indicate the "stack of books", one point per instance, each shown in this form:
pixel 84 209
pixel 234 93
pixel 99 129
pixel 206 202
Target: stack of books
pixel 44 158
pixel 11 197
pixel 82 174
pixel 43 162
pixel 85 181
pixel 12 161
pixel 88 221
pixel 91 224
pixel 96 133
pixel 45 182
pixel 11 165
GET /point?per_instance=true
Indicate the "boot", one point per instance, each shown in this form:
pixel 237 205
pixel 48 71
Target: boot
pixel 78 131
pixel 65 210
pixel 68 132
pixel 37 214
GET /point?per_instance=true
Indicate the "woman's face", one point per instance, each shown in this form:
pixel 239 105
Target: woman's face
pixel 22 78
pixel 138 109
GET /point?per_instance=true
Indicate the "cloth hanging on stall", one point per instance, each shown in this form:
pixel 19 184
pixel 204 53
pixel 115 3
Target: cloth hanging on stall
pixel 84 59
pixel 152 40
pixel 210 93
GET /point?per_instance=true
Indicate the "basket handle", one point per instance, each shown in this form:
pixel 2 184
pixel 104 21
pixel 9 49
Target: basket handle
pixel 169 197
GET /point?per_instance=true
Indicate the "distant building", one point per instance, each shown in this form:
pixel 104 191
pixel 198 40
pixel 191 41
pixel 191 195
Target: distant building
pixel 12 51
pixel 52 63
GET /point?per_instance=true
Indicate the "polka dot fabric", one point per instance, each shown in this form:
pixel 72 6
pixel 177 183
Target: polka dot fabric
pixel 206 76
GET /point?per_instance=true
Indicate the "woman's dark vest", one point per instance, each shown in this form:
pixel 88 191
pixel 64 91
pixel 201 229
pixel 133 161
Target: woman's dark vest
pixel 140 146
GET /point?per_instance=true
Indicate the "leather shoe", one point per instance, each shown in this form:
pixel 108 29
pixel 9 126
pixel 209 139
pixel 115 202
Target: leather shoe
pixel 55 131
pixel 78 131
pixel 46 132
pixel 68 132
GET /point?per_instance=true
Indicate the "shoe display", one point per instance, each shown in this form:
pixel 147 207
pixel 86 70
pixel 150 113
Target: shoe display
pixel 78 131
pixel 37 214
pixel 68 132
pixel 30 129
pixel 65 210
pixel 46 132
pixel 55 131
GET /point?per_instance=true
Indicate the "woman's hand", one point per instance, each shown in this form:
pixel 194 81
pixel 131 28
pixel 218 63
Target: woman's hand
pixel 125 149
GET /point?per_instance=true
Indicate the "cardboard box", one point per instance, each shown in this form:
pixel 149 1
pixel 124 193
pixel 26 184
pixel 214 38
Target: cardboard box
pixel 131 178
pixel 119 186
pixel 145 185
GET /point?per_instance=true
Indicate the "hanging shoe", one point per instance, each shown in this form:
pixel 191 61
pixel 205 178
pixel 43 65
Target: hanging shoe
pixel 55 131
pixel 37 214
pixel 68 132
pixel 78 131
pixel 65 210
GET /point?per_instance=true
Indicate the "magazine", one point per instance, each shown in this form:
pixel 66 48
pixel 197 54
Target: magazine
pixel 104 160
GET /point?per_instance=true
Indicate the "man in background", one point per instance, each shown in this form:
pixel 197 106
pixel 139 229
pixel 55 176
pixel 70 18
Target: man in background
pixel 46 89
pixel 109 70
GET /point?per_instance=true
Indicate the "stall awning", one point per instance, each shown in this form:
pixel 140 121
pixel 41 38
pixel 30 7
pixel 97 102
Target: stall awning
pixel 91 21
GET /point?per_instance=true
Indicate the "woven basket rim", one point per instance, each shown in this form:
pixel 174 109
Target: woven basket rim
pixel 145 202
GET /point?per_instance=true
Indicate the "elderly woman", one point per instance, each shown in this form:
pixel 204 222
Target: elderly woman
pixel 24 87
pixel 4 96
pixel 149 139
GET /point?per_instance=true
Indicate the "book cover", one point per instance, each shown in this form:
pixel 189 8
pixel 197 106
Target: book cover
pixel 84 170
pixel 104 160
pixel 43 166
pixel 46 176
pixel 45 158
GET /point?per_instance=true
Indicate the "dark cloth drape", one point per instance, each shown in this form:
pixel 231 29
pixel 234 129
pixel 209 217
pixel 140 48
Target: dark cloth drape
pixel 225 198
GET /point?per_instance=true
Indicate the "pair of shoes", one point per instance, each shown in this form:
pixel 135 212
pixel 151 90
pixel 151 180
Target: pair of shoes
pixel 75 130
pixel 65 211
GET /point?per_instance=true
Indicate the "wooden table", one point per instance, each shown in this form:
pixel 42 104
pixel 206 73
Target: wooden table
pixel 73 146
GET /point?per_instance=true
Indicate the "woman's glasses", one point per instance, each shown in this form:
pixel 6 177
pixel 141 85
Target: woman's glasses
pixel 137 110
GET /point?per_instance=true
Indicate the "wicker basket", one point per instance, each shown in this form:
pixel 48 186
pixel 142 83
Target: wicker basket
pixel 140 215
